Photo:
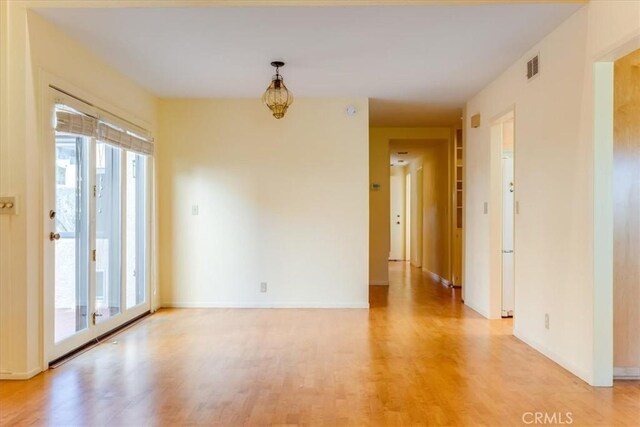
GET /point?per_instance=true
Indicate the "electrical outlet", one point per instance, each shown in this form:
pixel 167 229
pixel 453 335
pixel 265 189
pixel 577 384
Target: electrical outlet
pixel 263 287
pixel 546 320
pixel 195 210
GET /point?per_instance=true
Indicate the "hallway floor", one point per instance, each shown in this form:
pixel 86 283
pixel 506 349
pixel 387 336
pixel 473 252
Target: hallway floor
pixel 417 357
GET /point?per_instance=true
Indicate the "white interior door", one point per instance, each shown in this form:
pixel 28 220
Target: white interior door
pixel 397 217
pixel 407 217
pixel 416 218
pixel 508 284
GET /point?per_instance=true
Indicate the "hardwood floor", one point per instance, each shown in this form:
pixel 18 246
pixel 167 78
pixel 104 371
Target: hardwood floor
pixel 417 357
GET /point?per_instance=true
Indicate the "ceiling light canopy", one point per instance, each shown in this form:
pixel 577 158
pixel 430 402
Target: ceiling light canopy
pixel 277 97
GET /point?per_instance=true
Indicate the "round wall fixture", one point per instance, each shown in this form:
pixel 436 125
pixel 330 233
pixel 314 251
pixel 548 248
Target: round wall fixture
pixel 350 110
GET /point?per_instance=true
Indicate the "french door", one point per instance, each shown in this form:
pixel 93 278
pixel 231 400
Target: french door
pixel 96 242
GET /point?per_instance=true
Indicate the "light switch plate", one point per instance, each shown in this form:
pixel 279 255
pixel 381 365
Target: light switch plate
pixel 8 206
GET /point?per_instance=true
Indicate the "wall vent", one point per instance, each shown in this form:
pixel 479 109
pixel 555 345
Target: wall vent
pixel 533 67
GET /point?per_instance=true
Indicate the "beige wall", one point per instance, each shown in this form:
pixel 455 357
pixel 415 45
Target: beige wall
pixel 33 52
pixel 379 200
pixel 280 201
pixel 554 231
pixel 436 252
pixel 434 162
pixel 417 203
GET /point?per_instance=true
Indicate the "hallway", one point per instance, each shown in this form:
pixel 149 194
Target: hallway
pixel 417 357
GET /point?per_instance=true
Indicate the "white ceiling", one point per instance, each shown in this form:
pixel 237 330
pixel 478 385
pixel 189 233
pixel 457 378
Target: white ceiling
pixel 418 64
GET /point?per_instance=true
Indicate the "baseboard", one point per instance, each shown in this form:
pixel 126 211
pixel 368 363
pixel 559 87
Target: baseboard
pixel 438 278
pixel 553 356
pixel 20 375
pixel 626 373
pixel 379 283
pixel 214 304
pixel 478 310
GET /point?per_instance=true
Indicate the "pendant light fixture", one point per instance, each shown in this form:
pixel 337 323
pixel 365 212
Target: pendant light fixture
pixel 277 97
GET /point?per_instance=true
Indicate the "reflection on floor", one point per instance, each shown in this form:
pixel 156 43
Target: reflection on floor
pixel 418 356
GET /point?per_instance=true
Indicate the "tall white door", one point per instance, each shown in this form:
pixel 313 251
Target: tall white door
pixel 508 283
pixel 96 239
pixel 396 251
pixel 407 217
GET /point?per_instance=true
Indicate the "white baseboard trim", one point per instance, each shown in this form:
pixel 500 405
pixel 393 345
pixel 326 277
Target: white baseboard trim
pixel 20 375
pixel 379 283
pixel 626 373
pixel 478 310
pixel 437 278
pixel 553 356
pixel 182 304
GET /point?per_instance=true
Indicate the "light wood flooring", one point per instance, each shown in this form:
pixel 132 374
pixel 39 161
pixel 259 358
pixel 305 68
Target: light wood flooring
pixel 417 357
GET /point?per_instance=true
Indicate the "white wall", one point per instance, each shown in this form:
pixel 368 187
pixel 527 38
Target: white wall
pixel 554 174
pixel 32 51
pixel 280 201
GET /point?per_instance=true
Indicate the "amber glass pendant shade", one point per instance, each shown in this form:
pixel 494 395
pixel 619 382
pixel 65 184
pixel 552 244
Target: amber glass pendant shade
pixel 277 97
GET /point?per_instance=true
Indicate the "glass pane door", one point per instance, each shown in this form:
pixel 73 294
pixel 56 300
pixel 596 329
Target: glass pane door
pixel 96 258
pixel 71 236
pixel 136 236
pixel 108 232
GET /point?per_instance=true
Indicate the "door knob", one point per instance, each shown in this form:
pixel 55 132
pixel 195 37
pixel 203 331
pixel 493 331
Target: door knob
pixel 54 236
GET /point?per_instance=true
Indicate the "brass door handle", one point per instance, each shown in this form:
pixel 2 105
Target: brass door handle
pixel 54 236
pixel 94 315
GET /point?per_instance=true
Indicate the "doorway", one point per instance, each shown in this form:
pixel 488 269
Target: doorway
pixel 407 217
pixel 397 210
pixel 96 223
pixel 503 141
pixel 626 217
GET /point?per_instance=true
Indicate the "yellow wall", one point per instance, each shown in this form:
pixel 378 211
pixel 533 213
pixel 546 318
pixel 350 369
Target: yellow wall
pixel 436 239
pixel 435 250
pixel 280 201
pixel 34 52
pixel 379 200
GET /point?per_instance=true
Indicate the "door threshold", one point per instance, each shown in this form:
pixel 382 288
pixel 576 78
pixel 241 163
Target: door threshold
pixel 96 341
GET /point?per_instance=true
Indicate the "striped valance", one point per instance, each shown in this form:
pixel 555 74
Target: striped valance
pixel 74 122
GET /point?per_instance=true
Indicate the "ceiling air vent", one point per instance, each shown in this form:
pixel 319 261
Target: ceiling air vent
pixel 533 66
